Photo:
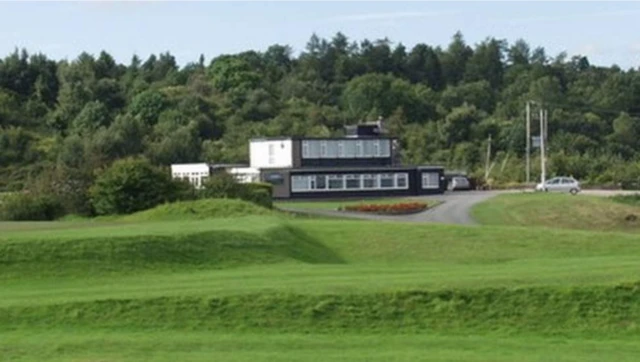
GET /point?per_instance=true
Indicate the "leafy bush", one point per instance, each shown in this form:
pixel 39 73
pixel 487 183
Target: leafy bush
pixel 70 185
pixel 223 185
pixel 30 207
pixel 259 193
pixel 397 208
pixel 133 184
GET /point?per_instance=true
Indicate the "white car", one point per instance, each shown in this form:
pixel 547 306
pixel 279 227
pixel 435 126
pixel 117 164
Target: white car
pixel 459 183
pixel 560 184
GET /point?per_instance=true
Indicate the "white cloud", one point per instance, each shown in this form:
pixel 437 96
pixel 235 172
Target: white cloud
pixel 563 17
pixel 388 16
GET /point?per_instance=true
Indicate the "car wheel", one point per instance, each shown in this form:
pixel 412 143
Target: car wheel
pixel 573 191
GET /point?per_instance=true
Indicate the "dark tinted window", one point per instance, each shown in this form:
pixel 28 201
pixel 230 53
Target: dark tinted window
pixel 274 178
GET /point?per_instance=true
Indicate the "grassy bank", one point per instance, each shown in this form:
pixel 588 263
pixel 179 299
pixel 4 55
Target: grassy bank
pixel 272 287
pixel 558 211
pixel 593 311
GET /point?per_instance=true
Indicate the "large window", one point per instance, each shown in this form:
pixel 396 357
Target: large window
pixel 353 181
pixel 336 182
pixel 430 180
pixel 370 181
pixel 299 183
pixel 350 182
pixel 346 148
pixel 387 181
pixel 272 153
pixel 401 180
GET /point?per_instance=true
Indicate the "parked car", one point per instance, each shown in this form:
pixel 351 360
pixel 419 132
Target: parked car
pixel 560 184
pixel 459 183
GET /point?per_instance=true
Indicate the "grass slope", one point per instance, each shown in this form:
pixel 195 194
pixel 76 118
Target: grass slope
pixel 101 289
pixel 212 249
pixel 199 209
pixel 590 311
pixel 557 210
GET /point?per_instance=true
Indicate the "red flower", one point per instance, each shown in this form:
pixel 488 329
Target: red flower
pixel 397 208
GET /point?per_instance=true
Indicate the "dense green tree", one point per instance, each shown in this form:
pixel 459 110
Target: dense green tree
pixel 83 114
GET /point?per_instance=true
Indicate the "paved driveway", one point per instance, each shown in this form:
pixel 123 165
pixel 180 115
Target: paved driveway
pixel 455 209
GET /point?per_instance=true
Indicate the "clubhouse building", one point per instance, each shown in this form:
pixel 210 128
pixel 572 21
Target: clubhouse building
pixel 363 163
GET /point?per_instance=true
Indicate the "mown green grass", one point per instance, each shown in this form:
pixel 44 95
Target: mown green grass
pixel 273 287
pixel 171 346
pixel 558 211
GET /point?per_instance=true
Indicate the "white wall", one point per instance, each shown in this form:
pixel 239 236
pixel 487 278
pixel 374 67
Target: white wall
pixel 246 174
pixel 194 172
pixel 271 153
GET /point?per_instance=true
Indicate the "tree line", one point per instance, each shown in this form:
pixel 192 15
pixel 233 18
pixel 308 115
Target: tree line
pixel 60 121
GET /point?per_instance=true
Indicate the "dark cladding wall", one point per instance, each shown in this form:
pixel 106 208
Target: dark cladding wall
pixel 414 183
pixel 280 180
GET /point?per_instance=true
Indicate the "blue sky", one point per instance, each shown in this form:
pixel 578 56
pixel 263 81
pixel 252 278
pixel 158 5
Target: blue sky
pixel 607 32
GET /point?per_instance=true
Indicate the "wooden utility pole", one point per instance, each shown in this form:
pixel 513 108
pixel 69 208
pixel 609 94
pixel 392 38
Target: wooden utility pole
pixel 528 141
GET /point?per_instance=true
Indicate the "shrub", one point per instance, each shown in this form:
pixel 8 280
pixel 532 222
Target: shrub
pixel 258 193
pixel 395 209
pixel 130 185
pixel 70 185
pixel 30 207
pixel 223 185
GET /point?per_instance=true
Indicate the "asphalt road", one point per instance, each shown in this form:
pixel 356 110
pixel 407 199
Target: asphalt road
pixel 454 209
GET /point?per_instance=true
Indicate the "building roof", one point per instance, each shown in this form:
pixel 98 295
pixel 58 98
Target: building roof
pixel 337 138
pixel 343 169
pixel 227 165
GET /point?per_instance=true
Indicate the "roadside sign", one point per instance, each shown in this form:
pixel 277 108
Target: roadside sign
pixel 535 142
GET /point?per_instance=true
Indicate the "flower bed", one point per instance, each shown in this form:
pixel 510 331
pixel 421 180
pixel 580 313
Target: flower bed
pixel 401 208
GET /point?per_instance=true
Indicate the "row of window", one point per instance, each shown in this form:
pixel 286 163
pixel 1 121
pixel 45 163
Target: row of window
pixel 346 148
pixel 350 182
pixel 194 180
pixel 187 174
pixel 363 182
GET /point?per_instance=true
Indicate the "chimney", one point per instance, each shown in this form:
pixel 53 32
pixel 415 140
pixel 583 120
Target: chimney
pixel 380 123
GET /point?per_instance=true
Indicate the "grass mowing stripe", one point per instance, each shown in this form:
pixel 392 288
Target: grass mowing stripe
pixel 544 310
pixel 170 346
pixel 302 278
